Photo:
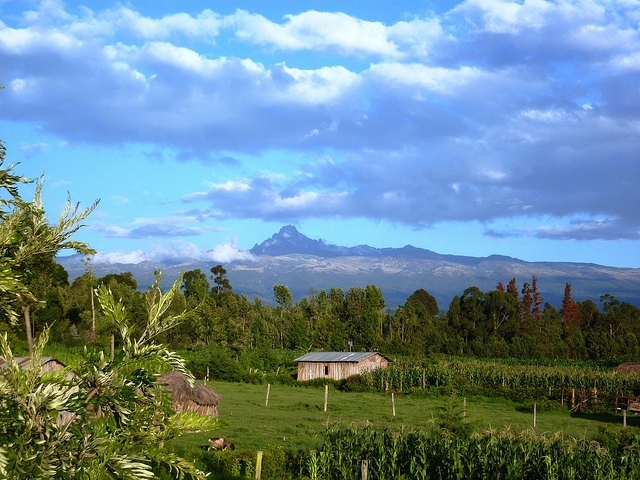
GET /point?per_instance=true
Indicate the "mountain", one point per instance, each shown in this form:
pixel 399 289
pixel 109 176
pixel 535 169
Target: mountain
pixel 303 264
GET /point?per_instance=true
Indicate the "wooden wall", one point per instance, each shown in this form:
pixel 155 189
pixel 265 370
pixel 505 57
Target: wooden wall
pixel 339 370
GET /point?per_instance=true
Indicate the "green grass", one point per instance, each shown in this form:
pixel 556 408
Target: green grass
pixel 295 418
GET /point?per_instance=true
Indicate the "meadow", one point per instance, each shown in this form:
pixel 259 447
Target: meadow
pixel 294 423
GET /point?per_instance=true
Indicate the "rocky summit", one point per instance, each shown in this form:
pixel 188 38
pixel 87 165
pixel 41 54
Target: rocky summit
pixel 304 265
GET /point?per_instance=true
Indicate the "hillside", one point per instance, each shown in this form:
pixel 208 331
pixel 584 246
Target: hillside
pixel 304 264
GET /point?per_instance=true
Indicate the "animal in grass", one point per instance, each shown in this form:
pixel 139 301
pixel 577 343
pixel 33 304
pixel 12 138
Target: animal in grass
pixel 219 443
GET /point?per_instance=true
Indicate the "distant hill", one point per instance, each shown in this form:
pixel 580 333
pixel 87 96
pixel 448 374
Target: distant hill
pixel 303 264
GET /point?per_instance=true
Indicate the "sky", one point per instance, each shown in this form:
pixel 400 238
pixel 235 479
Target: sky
pixel 471 128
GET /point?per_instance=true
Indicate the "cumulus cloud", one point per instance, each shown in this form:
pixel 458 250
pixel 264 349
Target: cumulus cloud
pixel 495 109
pixel 176 251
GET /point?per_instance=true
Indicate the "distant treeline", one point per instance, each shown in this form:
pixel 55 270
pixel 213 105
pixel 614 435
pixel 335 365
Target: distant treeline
pixel 509 321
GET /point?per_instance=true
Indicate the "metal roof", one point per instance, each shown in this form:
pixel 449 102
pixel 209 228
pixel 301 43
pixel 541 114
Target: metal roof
pixel 334 357
pixel 23 362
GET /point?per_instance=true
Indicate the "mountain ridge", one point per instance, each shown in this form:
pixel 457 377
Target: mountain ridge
pixel 290 258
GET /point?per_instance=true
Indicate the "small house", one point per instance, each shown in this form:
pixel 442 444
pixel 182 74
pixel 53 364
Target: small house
pixel 184 397
pixel 47 364
pixel 338 365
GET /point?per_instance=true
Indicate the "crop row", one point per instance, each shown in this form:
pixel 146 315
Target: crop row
pixel 491 375
pixel 439 454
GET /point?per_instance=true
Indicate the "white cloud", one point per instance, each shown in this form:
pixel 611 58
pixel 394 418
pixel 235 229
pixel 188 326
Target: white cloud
pixel 176 251
pixel 314 30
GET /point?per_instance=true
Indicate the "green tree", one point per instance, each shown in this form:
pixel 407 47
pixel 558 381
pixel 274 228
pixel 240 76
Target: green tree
pixel 26 238
pixel 195 286
pixel 118 415
pixel 220 279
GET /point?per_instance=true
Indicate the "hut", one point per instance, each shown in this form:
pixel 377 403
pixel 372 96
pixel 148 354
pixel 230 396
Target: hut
pixel 196 398
pixel 338 365
pixel 628 368
pixel 47 364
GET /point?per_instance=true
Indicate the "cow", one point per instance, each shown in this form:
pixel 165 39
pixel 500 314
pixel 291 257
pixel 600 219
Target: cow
pixel 219 443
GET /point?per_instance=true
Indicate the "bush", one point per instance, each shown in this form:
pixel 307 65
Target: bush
pixel 221 365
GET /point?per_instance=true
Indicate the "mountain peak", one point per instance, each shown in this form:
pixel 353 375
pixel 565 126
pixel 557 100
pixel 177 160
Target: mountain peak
pixel 289 240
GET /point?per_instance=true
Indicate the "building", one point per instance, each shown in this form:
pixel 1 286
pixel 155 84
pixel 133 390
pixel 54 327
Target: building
pixel 47 364
pixel 338 365
pixel 186 397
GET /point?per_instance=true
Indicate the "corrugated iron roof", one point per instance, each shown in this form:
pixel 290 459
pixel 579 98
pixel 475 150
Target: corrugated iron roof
pixel 335 357
pixel 24 361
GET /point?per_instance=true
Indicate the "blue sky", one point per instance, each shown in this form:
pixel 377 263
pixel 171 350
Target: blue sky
pixel 474 128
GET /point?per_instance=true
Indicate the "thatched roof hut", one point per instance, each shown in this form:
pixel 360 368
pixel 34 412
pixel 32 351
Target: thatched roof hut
pixel 629 368
pixel 199 399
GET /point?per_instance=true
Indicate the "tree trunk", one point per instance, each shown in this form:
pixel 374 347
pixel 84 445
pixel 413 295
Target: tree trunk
pixel 93 316
pixel 26 311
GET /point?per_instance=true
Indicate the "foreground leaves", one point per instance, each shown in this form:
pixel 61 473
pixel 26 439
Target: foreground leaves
pixel 119 415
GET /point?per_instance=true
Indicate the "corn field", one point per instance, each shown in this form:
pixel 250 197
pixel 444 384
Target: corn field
pixel 485 374
pixel 438 454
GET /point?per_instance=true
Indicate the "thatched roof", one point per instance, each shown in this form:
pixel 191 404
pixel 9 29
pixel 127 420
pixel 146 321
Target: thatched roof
pixel 628 368
pixel 182 392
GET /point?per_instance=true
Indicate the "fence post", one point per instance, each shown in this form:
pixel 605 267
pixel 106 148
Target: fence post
pixel 266 403
pixel 326 396
pixel 393 403
pixel 259 465
pixel 364 469
pixel 535 411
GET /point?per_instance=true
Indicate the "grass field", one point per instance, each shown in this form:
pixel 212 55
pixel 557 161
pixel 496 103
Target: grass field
pixel 295 417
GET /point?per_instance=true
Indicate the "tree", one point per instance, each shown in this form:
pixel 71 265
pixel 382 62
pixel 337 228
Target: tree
pixel 27 236
pixel 195 285
pixel 425 299
pixel 570 311
pixel 120 415
pixel 219 277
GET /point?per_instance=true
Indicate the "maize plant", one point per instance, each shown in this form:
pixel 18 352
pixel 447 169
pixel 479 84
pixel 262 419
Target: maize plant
pixel 505 454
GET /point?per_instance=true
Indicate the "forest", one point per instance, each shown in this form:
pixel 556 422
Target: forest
pixel 512 320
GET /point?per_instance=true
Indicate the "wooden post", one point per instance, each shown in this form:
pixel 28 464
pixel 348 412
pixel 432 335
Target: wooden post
pixel 266 403
pixel 259 465
pixel 364 469
pixel 464 407
pixel 535 411
pixel 573 397
pixel 386 386
pixel 424 379
pixel 595 395
pixel 393 403
pixel 624 418
pixel 326 396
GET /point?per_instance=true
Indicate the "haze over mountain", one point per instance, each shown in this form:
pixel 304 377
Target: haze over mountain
pixel 303 264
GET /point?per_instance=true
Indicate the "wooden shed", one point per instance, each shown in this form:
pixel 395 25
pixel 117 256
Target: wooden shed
pixel 199 399
pixel 47 364
pixel 338 365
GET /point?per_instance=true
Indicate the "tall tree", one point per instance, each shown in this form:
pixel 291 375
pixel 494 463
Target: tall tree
pixel 26 236
pixel 570 311
pixel 220 279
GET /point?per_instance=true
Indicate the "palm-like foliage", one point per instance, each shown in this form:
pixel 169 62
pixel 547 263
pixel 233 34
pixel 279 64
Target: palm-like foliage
pixel 121 415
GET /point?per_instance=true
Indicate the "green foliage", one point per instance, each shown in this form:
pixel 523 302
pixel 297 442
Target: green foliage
pixel 118 416
pixel 442 454
pixel 221 365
